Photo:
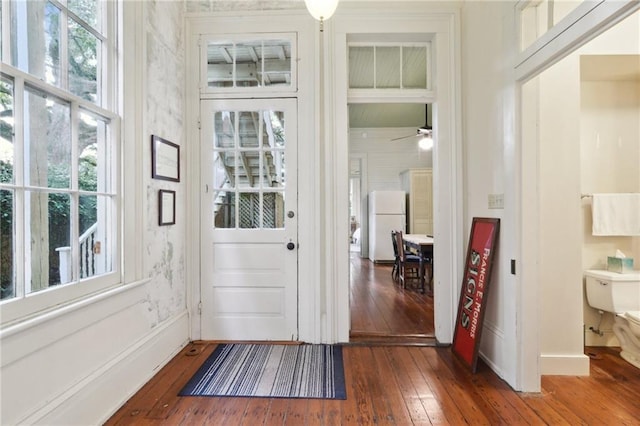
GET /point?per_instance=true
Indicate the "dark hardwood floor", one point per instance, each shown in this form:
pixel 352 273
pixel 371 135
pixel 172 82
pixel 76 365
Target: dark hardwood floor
pixel 400 385
pixel 394 384
pixel 383 311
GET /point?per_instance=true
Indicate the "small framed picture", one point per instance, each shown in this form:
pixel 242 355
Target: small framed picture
pixel 165 159
pixel 166 207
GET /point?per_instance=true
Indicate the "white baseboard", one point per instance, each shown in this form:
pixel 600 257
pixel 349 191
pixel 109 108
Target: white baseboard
pixel 564 365
pixel 97 397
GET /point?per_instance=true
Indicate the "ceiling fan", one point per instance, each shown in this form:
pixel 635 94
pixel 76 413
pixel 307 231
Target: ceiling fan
pixel 425 133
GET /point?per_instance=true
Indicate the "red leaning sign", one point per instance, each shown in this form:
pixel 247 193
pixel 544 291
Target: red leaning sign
pixel 475 285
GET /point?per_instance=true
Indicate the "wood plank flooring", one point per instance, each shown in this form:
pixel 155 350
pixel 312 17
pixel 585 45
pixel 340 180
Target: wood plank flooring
pixel 400 385
pixel 391 384
pixel 381 308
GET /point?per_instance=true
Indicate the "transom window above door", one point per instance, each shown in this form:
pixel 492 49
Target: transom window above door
pixel 249 64
pixel 384 66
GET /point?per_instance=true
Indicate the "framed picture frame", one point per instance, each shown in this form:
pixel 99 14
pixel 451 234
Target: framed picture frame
pixel 475 287
pixel 165 159
pixel 166 207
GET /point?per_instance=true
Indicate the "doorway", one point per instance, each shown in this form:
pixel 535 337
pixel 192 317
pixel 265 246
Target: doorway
pixel 382 147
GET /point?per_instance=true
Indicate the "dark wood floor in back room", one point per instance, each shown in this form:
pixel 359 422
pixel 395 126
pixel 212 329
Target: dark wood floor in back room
pixel 383 311
pixel 398 385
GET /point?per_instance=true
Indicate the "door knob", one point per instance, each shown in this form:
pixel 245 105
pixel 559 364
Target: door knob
pixel 291 245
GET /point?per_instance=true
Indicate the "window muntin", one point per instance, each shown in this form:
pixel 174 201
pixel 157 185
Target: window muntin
pixel 249 63
pixel 58 154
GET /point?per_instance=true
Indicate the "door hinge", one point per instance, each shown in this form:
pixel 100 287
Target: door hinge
pixel 199 124
pixel 199 308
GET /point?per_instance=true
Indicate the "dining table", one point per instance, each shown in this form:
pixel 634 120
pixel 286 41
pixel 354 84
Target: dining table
pixel 422 246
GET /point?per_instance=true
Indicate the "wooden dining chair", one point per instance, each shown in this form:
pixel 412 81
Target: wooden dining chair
pixel 396 260
pixel 408 264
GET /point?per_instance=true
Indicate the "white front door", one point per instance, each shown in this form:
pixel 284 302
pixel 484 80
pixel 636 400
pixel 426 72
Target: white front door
pixel 249 273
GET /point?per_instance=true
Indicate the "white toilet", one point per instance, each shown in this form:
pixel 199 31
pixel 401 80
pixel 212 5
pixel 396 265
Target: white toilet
pixel 620 294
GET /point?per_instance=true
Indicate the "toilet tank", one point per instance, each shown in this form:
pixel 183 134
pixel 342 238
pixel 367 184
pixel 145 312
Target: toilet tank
pixel 613 292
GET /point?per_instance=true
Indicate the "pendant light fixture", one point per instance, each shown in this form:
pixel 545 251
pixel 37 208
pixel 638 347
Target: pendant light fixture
pixel 321 9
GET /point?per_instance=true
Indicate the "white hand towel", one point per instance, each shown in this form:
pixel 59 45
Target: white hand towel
pixel 616 214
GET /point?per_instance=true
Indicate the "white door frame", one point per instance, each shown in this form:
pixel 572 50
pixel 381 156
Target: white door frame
pixel 443 26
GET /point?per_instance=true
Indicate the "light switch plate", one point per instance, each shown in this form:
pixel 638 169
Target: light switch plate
pixel 496 201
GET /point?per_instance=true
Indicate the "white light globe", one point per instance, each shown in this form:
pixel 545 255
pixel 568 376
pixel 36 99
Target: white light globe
pixel 426 143
pixel 321 9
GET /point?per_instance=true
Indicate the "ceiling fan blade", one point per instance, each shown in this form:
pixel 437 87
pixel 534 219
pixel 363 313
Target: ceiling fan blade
pixel 402 137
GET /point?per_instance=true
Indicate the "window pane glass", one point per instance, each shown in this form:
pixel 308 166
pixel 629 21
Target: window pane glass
pixel 36 39
pixel 414 67
pixel 249 210
pixel 48 140
pixel 93 223
pixel 273 210
pixel 361 67
pixel 224 209
pixel 84 80
pixel 249 64
pixel 224 129
pixel 220 64
pixel 49 233
pixel 87 10
pixel 388 67
pixel 6 131
pixel 7 252
pixel 93 164
pixel 277 63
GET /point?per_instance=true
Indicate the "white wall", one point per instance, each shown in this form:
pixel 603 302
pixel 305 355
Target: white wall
pixel 79 363
pixel 489 164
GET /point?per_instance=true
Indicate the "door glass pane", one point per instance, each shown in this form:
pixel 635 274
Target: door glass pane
pixel 48 141
pixel 388 67
pixel 273 210
pixel 247 176
pixel 224 129
pixel 249 215
pixel 6 131
pixel 361 67
pixel 223 174
pixel 248 129
pixel 49 234
pixel 84 79
pixel 224 209
pixel 273 129
pixel 7 253
pixel 414 67
pixel 274 169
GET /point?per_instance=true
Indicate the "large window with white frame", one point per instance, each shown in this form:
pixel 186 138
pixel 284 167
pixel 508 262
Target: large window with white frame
pixel 59 145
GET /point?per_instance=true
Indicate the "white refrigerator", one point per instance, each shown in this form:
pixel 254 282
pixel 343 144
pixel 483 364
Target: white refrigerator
pixel 386 213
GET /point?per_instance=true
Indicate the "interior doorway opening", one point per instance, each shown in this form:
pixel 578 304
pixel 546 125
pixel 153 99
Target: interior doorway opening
pixel 384 146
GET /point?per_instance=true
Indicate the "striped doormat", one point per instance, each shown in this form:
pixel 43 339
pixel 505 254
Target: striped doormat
pixel 273 371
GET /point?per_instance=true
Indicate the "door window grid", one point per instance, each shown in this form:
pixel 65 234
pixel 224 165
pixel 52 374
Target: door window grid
pixel 249 169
